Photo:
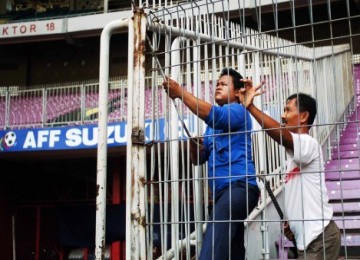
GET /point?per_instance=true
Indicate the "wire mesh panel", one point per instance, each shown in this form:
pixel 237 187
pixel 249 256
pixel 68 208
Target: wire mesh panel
pixel 191 43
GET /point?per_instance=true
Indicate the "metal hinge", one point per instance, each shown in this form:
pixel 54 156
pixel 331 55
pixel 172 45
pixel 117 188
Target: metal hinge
pixel 138 136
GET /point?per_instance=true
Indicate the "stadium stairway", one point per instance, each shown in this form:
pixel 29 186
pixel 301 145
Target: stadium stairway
pixel 342 176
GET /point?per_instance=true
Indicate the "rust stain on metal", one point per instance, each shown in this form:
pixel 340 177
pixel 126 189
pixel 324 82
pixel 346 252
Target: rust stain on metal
pixel 143 180
pixel 140 47
pixel 102 247
pixel 132 183
pixel 97 190
pixel 142 221
pixel 139 219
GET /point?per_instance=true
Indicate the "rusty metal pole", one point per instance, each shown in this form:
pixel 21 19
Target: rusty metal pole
pixel 136 170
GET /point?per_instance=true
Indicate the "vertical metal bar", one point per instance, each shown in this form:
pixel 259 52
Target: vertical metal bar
pixel 102 142
pixel 82 103
pixel 7 109
pixel 198 169
pixel 43 107
pixel 129 181
pixel 261 145
pixel 136 171
pixel 106 6
pixel 153 136
pixel 174 134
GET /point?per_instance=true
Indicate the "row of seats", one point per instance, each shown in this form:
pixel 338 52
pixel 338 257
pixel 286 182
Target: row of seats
pixel 26 111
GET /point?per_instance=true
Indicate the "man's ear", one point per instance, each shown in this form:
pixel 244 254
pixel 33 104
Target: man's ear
pixel 304 117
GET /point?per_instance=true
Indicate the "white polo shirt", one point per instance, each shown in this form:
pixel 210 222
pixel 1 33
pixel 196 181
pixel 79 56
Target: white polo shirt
pixel 307 205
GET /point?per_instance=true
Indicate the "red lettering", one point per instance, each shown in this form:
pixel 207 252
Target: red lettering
pixel 50 26
pixel 26 29
pixel 33 28
pixel 14 27
pixel 5 32
pixel 23 29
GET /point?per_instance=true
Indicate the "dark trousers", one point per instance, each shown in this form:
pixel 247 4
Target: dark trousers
pixel 325 246
pixel 232 205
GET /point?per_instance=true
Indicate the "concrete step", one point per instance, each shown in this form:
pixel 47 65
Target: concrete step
pixel 346 147
pixel 339 154
pixel 354 117
pixel 350 134
pixel 344 195
pixel 354 128
pixel 343 185
pixel 347 224
pixel 342 164
pixel 346 208
pixel 349 244
pixel 337 175
pixel 351 124
pixel 350 240
pixel 349 139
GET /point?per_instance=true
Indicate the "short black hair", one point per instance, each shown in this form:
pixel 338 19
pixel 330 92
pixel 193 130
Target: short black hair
pixel 236 76
pixel 306 103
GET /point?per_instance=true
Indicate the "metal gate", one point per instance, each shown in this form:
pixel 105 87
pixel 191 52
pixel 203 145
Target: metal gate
pixel 168 197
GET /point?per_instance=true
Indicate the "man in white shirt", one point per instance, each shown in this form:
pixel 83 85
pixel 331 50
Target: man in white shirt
pixel 307 207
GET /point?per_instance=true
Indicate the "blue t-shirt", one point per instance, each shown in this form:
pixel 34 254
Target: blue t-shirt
pixel 227 146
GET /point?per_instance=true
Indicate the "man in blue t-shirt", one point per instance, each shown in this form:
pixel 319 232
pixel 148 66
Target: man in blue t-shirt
pixel 226 147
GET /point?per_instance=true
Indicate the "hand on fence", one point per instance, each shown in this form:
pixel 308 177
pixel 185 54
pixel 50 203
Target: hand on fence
pixel 172 88
pixel 249 92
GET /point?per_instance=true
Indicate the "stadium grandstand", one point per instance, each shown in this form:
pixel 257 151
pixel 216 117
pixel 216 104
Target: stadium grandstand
pixel 94 154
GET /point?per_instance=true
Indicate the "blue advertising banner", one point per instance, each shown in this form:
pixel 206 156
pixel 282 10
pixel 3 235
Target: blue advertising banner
pixel 71 137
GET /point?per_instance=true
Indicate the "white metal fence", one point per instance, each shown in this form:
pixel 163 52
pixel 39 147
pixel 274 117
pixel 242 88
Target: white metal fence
pixel 192 44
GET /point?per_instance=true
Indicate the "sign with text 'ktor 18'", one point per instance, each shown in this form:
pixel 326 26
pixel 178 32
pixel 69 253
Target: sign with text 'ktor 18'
pixel 33 28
